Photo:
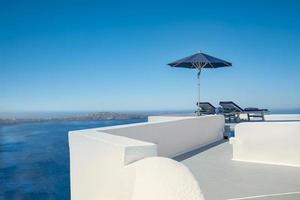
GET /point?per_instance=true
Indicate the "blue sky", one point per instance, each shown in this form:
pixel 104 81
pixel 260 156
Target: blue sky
pixel 63 56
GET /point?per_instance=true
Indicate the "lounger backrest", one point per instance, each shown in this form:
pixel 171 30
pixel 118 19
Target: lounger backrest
pixel 207 107
pixel 229 106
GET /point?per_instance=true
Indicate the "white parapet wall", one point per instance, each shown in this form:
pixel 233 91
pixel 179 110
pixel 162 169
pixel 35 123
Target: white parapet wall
pixel 103 160
pixel 282 117
pixel 98 164
pixel 167 118
pixel 177 136
pixel 276 117
pixel 268 142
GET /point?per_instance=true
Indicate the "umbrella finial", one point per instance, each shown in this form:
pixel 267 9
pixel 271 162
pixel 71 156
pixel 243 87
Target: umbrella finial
pixel 199 51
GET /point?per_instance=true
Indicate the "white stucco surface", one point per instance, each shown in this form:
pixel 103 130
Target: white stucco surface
pixel 177 136
pixel 97 166
pixel 167 118
pixel 274 117
pixel 221 178
pixel 268 142
pixel 162 178
pixel 107 163
pixel 282 117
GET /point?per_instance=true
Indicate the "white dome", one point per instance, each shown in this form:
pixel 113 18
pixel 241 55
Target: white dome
pixel 159 178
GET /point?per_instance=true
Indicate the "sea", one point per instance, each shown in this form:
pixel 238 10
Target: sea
pixel 34 158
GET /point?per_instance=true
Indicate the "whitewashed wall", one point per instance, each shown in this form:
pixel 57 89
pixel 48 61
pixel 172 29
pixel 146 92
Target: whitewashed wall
pixel 276 117
pixel 102 161
pixel 267 142
pixel 97 165
pixel 167 118
pixel 177 136
pixel 282 117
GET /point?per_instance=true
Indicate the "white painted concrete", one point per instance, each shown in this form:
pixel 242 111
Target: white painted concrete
pixel 282 117
pixel 101 159
pixel 162 178
pixel 267 142
pixel 97 166
pixel 167 118
pixel 175 137
pixel 221 178
pixel 274 117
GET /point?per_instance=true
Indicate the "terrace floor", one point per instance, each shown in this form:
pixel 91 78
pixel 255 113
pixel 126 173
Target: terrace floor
pixel 221 178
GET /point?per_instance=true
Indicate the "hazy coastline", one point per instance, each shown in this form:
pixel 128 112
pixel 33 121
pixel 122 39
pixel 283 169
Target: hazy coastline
pixel 26 117
pixel 72 116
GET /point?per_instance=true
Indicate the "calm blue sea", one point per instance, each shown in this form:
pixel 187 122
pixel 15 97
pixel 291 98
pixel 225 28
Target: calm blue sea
pixel 34 158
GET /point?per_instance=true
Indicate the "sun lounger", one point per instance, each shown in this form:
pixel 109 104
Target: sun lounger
pixel 206 108
pixel 233 111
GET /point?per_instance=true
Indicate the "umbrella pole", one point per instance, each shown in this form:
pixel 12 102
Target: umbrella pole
pixel 198 77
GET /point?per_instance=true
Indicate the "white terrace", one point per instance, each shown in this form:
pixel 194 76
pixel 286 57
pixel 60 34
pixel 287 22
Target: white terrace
pixel 133 162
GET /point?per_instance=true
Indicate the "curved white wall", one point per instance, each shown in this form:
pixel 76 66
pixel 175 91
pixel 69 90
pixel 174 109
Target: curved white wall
pixel 162 178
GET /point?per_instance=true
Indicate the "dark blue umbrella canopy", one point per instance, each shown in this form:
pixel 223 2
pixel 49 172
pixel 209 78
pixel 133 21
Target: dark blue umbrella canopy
pixel 200 60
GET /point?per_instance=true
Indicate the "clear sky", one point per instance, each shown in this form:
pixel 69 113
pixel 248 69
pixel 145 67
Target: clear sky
pixel 63 56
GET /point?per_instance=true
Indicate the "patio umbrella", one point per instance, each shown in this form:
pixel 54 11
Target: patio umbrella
pixel 199 61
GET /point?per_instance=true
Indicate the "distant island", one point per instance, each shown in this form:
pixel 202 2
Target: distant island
pixel 79 117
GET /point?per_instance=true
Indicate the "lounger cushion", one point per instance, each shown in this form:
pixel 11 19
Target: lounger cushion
pixel 254 109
